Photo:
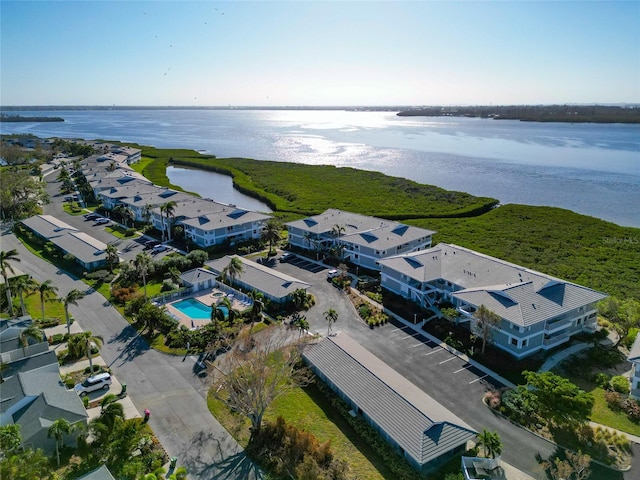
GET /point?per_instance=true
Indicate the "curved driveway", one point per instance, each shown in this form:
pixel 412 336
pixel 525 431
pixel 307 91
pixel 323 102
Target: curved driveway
pixel 163 383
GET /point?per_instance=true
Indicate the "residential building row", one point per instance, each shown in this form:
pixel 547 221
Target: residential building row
pixel 204 221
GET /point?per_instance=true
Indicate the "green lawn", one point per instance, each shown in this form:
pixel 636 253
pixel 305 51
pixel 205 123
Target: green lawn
pixel 52 309
pixel 601 413
pixel 66 206
pixel 118 231
pixel 309 410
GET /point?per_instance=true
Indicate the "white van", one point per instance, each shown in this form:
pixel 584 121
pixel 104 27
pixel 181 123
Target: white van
pixel 91 384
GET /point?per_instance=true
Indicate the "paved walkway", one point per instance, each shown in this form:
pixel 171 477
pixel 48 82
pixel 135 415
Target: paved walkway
pixel 558 357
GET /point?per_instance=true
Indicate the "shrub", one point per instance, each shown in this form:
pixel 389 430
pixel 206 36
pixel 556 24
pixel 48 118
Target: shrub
pixel 614 400
pixel 121 295
pixel 602 380
pixel 58 338
pixel 85 401
pixel 364 311
pixel 129 232
pixel 630 338
pixel 167 285
pixel 620 384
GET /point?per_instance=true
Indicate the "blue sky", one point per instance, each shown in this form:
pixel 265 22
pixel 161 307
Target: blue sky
pixel 303 53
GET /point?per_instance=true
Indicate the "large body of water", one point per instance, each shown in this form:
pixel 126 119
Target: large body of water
pixel 592 169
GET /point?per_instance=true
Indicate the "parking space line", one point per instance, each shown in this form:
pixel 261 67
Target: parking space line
pixel 409 336
pixel 478 379
pixel 416 346
pixel 463 368
pixel 435 351
pixel 447 360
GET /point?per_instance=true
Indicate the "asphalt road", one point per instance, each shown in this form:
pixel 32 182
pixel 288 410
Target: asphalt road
pixel 164 384
pixel 445 377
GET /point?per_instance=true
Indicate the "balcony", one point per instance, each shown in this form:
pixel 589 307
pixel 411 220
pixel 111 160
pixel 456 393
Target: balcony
pixel 557 325
pixel 554 341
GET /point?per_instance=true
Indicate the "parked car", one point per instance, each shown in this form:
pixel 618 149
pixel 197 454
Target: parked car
pixel 150 244
pixel 102 221
pixel 286 256
pixel 91 384
pixel 91 216
pixel 332 273
pixel 159 248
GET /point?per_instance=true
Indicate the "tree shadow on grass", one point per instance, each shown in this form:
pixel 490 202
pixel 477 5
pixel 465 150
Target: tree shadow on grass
pixel 208 455
pixel 134 345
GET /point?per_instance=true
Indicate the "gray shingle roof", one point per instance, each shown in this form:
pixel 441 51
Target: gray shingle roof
pixel 228 217
pixel 100 473
pixel 416 422
pixel 273 283
pixel 354 223
pixel 197 275
pixel 518 294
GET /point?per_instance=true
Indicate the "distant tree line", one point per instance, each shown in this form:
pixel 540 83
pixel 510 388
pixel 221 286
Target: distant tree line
pixel 18 118
pixel 536 113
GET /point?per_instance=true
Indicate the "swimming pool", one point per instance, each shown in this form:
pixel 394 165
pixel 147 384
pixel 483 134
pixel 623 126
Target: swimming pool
pixel 194 309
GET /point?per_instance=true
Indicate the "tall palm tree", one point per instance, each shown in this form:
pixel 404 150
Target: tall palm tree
pixel 271 232
pixel 70 298
pixel 302 324
pixel 112 413
pixel 127 214
pixel 142 262
pixel 337 230
pixel 57 430
pixel 47 290
pixel 331 316
pixel 6 257
pixel 80 344
pixel 24 284
pixel 168 209
pixel 233 270
pixel 217 314
pixel 33 332
pixel 112 256
pixel 146 213
pixel 257 307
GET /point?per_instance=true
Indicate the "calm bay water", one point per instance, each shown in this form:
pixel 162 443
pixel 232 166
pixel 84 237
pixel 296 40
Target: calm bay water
pixel 592 169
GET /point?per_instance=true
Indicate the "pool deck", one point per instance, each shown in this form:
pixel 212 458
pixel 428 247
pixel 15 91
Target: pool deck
pixel 207 298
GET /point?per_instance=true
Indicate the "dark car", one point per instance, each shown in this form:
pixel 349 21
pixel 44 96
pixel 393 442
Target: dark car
pixel 91 216
pixel 150 244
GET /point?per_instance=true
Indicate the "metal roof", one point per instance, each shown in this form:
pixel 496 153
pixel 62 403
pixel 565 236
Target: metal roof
pixel 271 282
pixel 422 427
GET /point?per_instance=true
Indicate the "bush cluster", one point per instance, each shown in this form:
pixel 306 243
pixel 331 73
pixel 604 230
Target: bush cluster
pixel 289 452
pixel 101 276
pixel 620 403
pixel 372 315
pixel 121 295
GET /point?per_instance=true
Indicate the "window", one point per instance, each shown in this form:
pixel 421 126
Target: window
pixel 525 342
pixel 514 341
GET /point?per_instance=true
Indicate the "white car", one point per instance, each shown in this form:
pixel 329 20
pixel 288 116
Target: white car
pixel 159 248
pixel 102 221
pixel 91 384
pixel 333 273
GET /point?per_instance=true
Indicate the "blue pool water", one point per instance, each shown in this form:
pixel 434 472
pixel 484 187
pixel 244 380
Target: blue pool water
pixel 194 309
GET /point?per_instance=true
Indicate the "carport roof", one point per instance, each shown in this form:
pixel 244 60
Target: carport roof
pixel 416 422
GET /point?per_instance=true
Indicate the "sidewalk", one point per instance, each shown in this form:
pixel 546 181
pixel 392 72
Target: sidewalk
pixel 558 357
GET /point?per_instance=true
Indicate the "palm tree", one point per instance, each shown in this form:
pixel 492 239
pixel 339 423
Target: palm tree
pixel 112 256
pixel 46 290
pixel 111 413
pixel 299 298
pixel 168 209
pixel 271 232
pixel 24 284
pixel 217 314
pixel 81 343
pixel 337 230
pixel 257 307
pixel 70 298
pixel 233 270
pixel 33 332
pixel 127 214
pixel 146 213
pixel 491 443
pixel 142 262
pixel 302 324
pixel 5 268
pixel 331 316
pixel 57 430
